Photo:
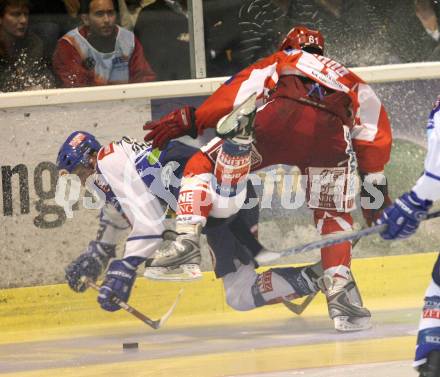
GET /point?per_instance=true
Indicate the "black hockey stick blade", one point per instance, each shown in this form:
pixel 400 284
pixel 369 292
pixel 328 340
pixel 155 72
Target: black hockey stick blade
pixel 268 256
pixel 299 308
pixel 154 324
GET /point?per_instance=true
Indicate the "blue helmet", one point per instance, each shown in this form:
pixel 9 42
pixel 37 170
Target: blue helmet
pixel 76 150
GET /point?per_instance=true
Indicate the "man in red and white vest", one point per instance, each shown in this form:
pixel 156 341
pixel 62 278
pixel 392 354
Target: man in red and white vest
pixel 100 52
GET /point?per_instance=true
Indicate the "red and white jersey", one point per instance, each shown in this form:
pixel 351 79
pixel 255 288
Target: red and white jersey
pixel 371 131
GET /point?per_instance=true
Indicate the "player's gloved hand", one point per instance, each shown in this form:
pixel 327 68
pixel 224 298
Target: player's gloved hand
pixel 374 196
pixel 89 264
pixel 178 123
pixel 403 216
pixel 119 280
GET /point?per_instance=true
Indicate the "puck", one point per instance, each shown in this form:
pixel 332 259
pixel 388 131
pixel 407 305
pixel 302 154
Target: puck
pixel 130 346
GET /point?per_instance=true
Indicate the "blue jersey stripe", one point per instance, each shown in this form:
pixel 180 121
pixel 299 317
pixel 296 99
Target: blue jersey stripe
pixel 428 174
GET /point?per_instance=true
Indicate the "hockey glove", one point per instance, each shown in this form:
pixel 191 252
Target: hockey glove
pixel 178 123
pixel 90 264
pixel 403 216
pixel 119 280
pixel 374 193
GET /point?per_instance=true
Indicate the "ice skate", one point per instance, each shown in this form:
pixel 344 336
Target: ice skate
pixel 345 304
pixel 180 261
pixel 432 366
pixel 238 126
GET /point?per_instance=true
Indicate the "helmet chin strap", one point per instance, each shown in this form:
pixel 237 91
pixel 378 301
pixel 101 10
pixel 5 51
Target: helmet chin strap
pixel 93 160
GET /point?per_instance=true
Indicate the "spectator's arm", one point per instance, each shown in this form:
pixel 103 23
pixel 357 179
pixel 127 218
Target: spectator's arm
pixel 426 14
pixel 140 70
pixel 68 66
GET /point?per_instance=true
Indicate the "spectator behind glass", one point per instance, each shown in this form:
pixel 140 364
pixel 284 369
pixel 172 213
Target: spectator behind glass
pixel 425 12
pixel 129 11
pixel 222 36
pixel 239 32
pixel 162 28
pixel 235 30
pixel 51 19
pixel 262 24
pixel 100 52
pixel 21 53
pixel 428 12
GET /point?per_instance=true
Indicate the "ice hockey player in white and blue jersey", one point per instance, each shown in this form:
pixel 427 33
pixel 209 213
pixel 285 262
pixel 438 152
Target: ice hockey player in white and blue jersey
pixel 137 182
pixel 403 218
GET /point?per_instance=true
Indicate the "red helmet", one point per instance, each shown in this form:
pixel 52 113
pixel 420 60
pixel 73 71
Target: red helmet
pixel 303 38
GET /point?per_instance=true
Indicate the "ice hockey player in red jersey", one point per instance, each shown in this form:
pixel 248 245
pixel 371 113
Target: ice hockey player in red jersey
pixel 313 113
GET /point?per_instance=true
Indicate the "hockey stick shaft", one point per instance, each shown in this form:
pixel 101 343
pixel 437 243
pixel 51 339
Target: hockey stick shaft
pixel 128 308
pixel 267 256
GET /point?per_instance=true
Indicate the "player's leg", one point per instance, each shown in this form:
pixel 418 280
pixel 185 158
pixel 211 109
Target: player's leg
pixel 331 193
pixel 427 358
pixel 233 244
pixel 213 184
pixel 343 297
pixel 142 209
pixel 201 195
pixel 331 189
pixel 246 289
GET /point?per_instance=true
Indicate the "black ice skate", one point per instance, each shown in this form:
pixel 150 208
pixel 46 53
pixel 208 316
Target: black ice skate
pixel 180 261
pixel 432 366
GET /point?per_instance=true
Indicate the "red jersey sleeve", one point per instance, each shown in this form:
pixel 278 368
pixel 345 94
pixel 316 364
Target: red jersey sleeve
pixel 140 70
pixel 372 136
pixel 374 155
pixel 255 78
pixel 68 66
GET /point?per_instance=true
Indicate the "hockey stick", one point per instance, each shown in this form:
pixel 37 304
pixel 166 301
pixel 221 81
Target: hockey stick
pixel 155 324
pixel 299 308
pixel 267 256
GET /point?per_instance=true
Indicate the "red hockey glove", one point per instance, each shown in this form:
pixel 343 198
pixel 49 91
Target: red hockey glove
pixel 374 196
pixel 178 123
